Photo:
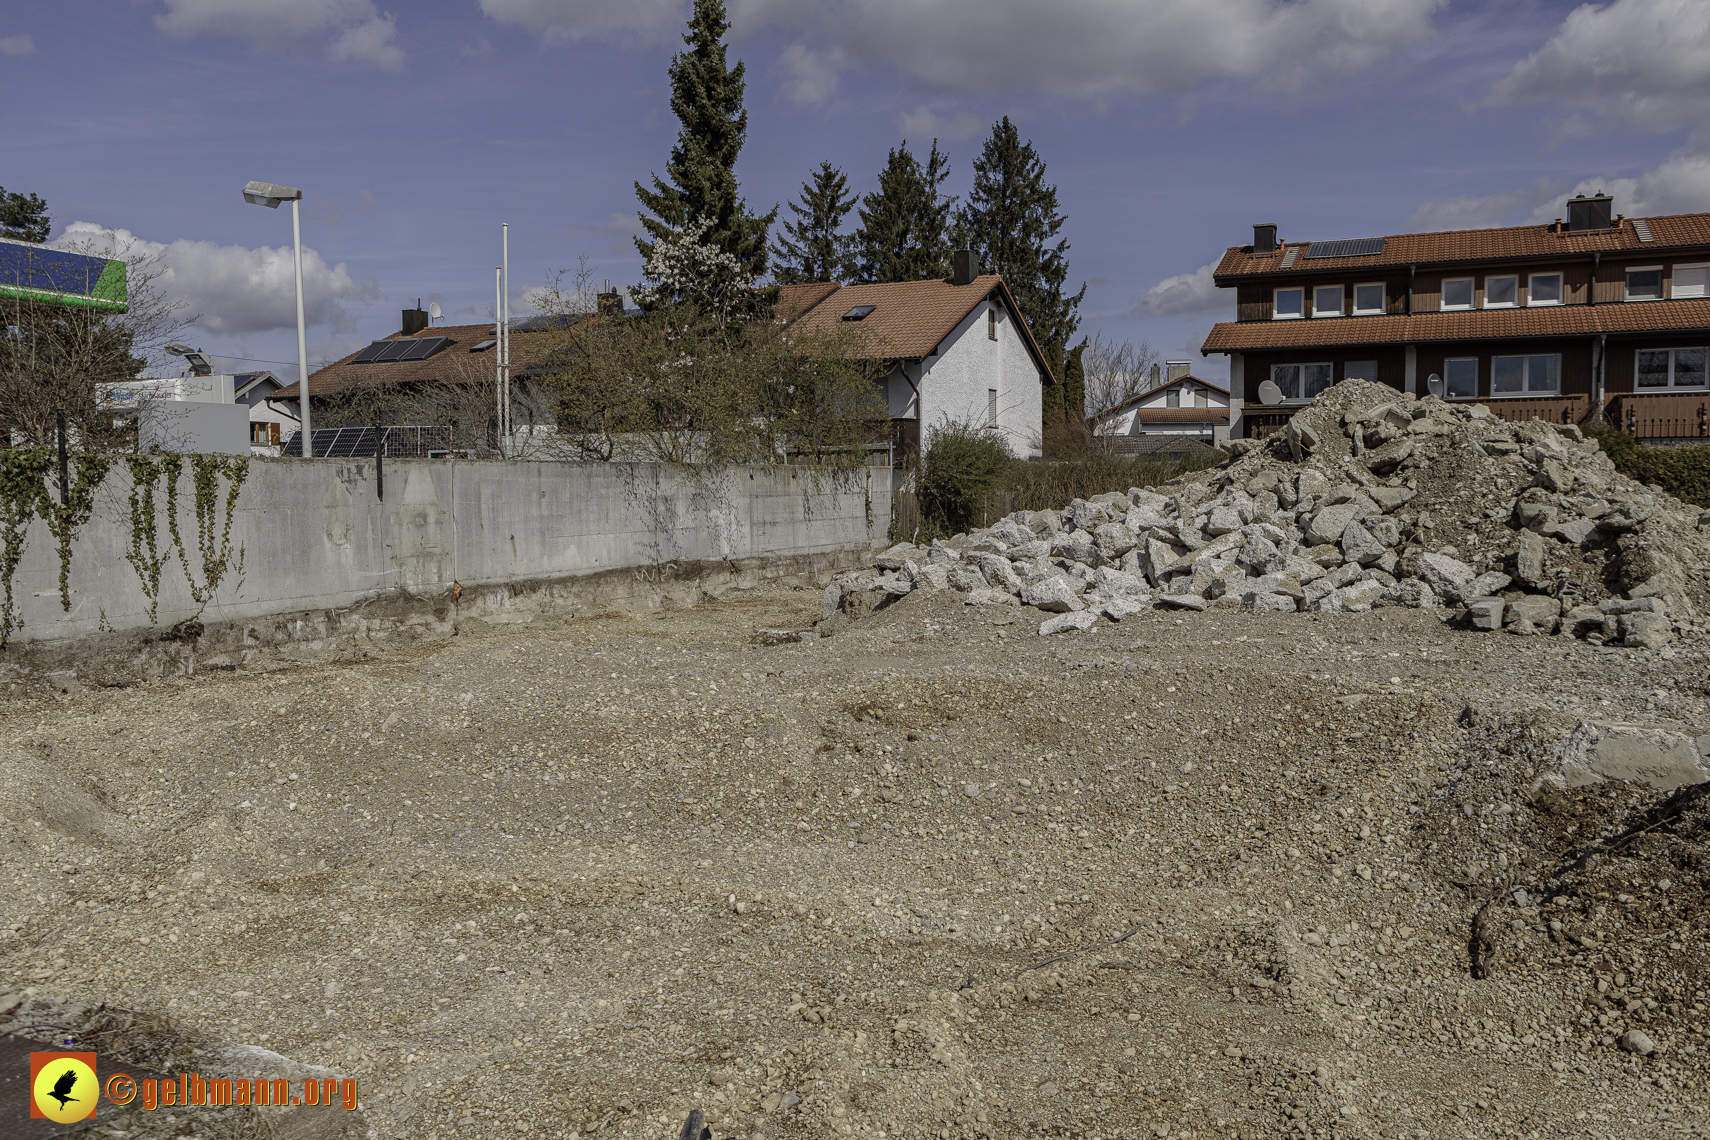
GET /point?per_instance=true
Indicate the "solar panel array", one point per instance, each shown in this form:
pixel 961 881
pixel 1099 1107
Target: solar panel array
pixel 1345 247
pixel 404 348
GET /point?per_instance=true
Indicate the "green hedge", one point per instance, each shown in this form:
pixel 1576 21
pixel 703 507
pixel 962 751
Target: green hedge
pixel 1683 472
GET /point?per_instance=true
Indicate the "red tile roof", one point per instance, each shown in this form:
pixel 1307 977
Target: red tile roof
pixel 910 319
pixel 1457 246
pixel 1182 415
pixel 455 362
pixel 1482 324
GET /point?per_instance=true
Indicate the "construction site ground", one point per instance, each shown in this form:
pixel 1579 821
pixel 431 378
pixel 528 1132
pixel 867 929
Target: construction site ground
pixel 578 878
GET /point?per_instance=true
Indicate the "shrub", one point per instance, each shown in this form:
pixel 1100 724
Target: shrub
pixel 1683 472
pixel 957 474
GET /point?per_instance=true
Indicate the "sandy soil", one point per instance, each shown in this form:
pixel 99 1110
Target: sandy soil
pixel 1208 875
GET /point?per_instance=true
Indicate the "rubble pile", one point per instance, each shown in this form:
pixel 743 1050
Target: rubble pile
pixel 1368 498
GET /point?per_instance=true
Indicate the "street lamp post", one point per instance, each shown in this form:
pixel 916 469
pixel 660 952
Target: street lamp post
pixel 270 194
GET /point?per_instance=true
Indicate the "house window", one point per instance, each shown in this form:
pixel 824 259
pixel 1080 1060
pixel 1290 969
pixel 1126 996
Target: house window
pixel 991 407
pixel 1327 301
pixel 1691 281
pixel 1501 292
pixel 1457 293
pixel 1525 375
pixel 991 324
pixel 1360 370
pixel 1301 381
pixel 1460 378
pixel 1644 283
pixel 1173 398
pixel 1670 368
pixel 1288 304
pixel 1544 289
pixel 1368 299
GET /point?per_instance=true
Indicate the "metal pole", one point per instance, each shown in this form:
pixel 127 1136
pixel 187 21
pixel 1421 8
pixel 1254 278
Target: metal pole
pixel 499 352
pixel 305 429
pixel 380 463
pixel 64 469
pixel 505 336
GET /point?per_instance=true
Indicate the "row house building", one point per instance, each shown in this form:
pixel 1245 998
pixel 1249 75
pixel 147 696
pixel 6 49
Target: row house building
pixel 1594 314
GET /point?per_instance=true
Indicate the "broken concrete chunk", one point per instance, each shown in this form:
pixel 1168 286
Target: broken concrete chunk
pixel 1538 609
pixel 1124 606
pixel 1302 438
pixel 1359 546
pixel 1052 595
pixel 1654 758
pixel 1486 613
pixel 991 597
pixel 898 555
pixel 1389 498
pixel 1082 619
pixel 1529 560
pixel 1443 573
pixel 1645 630
pixel 1329 523
pixel 1183 601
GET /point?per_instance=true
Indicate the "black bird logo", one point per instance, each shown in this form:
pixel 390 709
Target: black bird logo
pixel 62 1087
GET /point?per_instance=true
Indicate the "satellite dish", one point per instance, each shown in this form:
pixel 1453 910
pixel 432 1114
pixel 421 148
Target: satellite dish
pixel 434 312
pixel 1434 385
pixel 1269 393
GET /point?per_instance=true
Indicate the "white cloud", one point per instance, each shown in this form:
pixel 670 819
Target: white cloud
pixel 343 29
pixel 578 19
pixel 17 45
pixel 924 123
pixel 1645 63
pixel 1480 211
pixel 1073 47
pixel 1186 295
pixel 234 289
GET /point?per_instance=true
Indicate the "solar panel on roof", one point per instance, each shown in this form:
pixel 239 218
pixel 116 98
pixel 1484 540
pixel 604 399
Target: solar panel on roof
pixel 423 347
pixel 369 353
pixel 392 351
pixel 1345 247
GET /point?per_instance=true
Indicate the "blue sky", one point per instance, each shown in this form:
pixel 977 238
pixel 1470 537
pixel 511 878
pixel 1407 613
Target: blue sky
pixel 1169 127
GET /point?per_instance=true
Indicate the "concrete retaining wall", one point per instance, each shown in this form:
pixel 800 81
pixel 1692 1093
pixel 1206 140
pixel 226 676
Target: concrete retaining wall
pixel 327 563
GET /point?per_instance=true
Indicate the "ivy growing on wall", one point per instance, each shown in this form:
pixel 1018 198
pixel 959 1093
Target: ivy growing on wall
pixel 144 552
pixel 22 475
pixel 213 535
pixel 63 519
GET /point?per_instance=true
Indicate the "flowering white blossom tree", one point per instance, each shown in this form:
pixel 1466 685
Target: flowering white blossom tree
pixel 684 269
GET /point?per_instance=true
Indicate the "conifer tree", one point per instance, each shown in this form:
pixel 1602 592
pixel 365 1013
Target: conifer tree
pixel 810 248
pixel 1009 219
pixel 700 178
pixel 1075 384
pixel 905 224
pixel 24 217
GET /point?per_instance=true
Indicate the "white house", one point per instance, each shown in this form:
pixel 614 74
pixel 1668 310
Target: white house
pixel 1183 406
pixel 958 350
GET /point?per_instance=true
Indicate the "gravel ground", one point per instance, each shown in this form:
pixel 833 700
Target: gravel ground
pixel 579 879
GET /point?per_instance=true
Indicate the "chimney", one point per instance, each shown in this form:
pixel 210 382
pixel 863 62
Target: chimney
pixel 964 267
pixel 1587 214
pixel 1265 238
pixel 1176 369
pixel 415 320
pixel 611 302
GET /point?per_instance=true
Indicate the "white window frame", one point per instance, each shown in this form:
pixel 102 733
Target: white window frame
pixel 1527 391
pixel 991 323
pixel 1626 275
pixel 1341 300
pixel 1561 289
pixel 1173 397
pixel 1383 301
pixel 1689 265
pixel 1514 304
pixel 1277 316
pixel 1443 294
pixel 991 407
pixel 1671 386
pixel 1473 360
pixel 1304 365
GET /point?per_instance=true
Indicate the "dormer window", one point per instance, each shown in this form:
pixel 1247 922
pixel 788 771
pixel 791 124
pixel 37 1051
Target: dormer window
pixel 1368 299
pixel 1288 304
pixel 1501 292
pixel 1644 283
pixel 1458 293
pixel 1544 289
pixel 1327 301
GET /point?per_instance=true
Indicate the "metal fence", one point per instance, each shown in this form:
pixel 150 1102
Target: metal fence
pixel 404 441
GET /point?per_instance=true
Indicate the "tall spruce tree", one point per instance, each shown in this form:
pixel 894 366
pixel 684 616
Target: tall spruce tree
pixel 811 248
pixel 1075 384
pixel 1009 219
pixel 905 224
pixel 24 217
pixel 700 181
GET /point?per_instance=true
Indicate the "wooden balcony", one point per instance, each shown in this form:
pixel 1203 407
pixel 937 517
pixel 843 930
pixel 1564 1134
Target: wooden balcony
pixel 1674 416
pixel 1550 409
pixel 1258 421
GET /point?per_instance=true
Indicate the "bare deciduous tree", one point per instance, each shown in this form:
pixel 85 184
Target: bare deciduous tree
pixel 1116 371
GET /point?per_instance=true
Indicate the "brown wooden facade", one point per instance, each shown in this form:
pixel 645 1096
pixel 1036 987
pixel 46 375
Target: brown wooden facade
pixel 1596 329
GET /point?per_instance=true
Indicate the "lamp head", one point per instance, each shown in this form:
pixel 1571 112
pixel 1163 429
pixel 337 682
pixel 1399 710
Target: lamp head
pixel 270 194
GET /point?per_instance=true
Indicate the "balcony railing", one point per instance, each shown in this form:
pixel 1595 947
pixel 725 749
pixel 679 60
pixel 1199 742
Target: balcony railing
pixel 1676 416
pixel 1550 409
pixel 1258 422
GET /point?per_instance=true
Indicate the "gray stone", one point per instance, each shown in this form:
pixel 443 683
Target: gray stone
pixel 931 577
pixel 1223 520
pixel 1284 583
pixel 1115 582
pixel 833 600
pixel 1486 613
pixel 896 556
pixel 1443 573
pixel 1538 609
pixel 1063 623
pixel 1052 595
pixel 1115 539
pixel 1654 758
pixel 1302 439
pixel 1486 585
pixel 1410 593
pixel 965 578
pixel 1534 515
pixel 1044 523
pixel 1554 475
pixel 1310 484
pixel 1580 532
pixel 1358 545
pixel 1529 561
pixel 1031 551
pixel 998 572
pixel 1328 524
pixel 991 597
pixel 1354 599
pixel 1271 603
pixel 1160 559
pixel 1581 620
pixel 1183 601
pixel 1645 631
pixel 1124 606
pixel 1635 1041
pixel 1087 516
pixel 1632 606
